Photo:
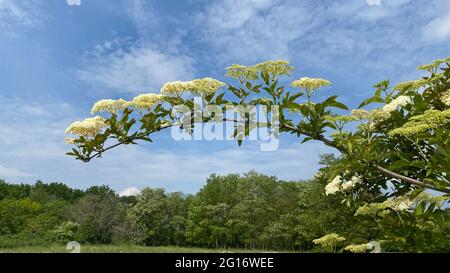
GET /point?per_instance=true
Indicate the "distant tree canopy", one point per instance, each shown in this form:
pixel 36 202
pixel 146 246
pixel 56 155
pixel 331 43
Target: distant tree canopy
pixel 230 211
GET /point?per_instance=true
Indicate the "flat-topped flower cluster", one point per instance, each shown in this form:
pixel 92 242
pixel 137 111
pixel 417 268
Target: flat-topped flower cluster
pixel 250 73
pixel 431 119
pixel 399 204
pixel 329 240
pixel 86 128
pixel 338 184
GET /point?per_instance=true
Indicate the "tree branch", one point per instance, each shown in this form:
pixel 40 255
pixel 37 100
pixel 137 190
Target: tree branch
pixel 146 133
pixel 326 141
pixel 378 167
pixel 410 180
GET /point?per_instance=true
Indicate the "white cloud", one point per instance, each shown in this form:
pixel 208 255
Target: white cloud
pixel 144 16
pixel 253 30
pixel 438 29
pixel 32 135
pixel 14 14
pixel 131 191
pixel 376 37
pixel 124 66
pixel 11 172
pixel 73 2
pixel 374 2
pixel 371 10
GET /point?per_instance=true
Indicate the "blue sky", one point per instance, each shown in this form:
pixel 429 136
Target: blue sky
pixel 57 59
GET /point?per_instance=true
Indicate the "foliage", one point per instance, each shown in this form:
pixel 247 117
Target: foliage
pixel 14 214
pixel 66 231
pixel 160 217
pixel 99 217
pixel 250 211
pixel 13 191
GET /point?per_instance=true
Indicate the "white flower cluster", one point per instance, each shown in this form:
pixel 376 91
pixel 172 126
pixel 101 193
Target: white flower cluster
pixel 375 115
pixel 362 248
pixel 328 240
pixel 445 98
pixel 86 128
pixel 338 184
pixel 397 102
pixel 398 203
pixel 273 68
pixel 143 101
pixel 334 186
pixel 146 101
pixel 242 72
pixel 430 120
pixel 108 105
pixel 198 86
pixel 310 83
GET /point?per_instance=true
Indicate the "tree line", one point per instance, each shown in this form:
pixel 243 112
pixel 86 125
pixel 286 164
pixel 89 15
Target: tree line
pixel 231 211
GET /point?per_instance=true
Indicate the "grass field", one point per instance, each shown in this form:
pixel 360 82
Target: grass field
pixel 121 249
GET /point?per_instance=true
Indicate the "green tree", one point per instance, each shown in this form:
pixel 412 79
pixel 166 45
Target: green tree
pixel 160 217
pixel 14 214
pixel 14 191
pixel 100 218
pixel 242 211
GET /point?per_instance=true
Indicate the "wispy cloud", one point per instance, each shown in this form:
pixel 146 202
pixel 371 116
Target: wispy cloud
pixel 11 172
pixel 369 10
pixel 17 14
pixel 125 66
pixel 438 27
pixel 323 35
pixel 249 31
pixel 32 135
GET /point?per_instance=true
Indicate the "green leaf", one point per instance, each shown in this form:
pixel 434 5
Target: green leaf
pixel 420 209
pixel 370 100
pixel 331 102
pixel 306 139
pixel 256 88
pixel 295 96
